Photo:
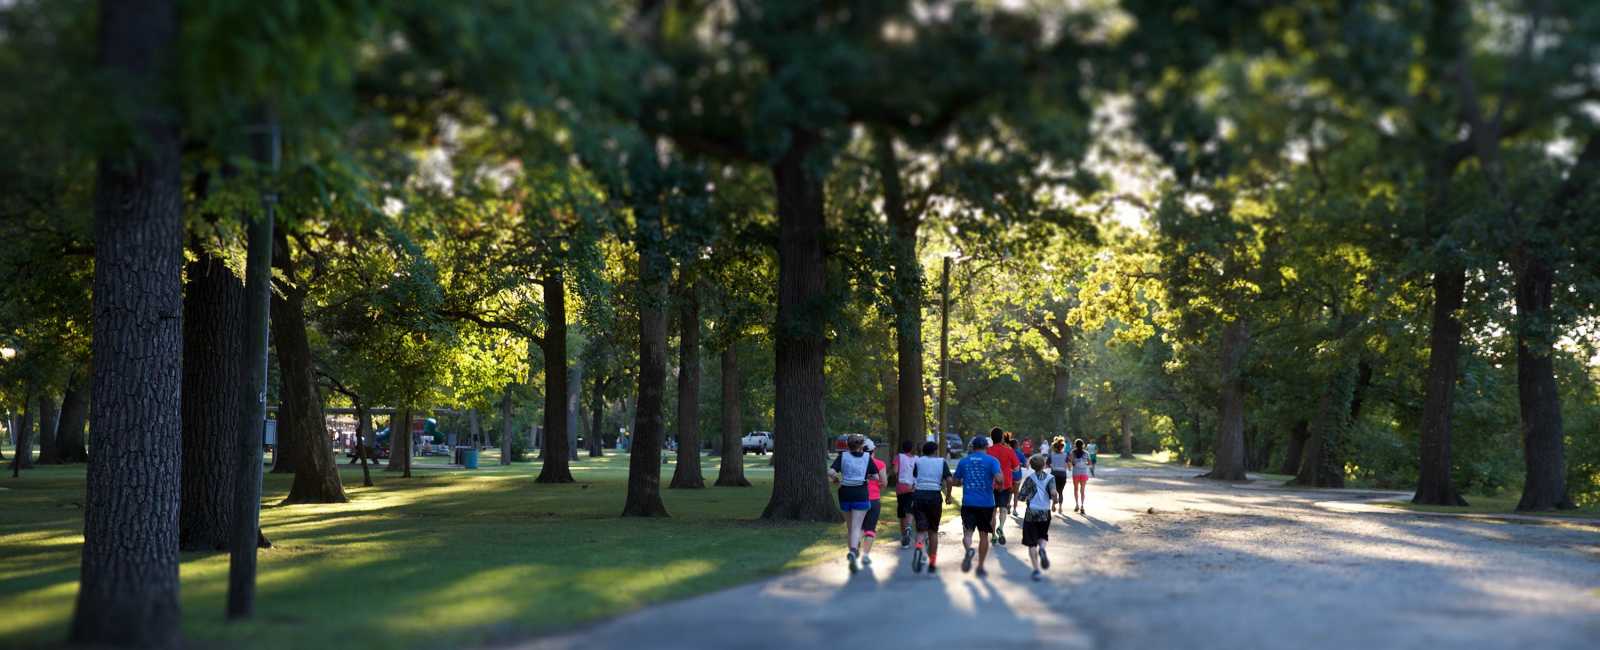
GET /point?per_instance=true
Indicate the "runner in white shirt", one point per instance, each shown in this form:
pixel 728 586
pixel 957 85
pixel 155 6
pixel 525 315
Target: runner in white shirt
pixel 905 486
pixel 1038 491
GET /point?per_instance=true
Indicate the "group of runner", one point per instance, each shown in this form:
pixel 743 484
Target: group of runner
pixel 993 483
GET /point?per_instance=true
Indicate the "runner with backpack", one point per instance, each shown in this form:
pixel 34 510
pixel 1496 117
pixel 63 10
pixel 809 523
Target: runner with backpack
pixel 1039 494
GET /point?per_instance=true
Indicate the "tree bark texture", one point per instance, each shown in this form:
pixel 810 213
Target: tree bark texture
pixel 597 413
pixel 1538 399
pixel 22 436
pixel 1434 482
pixel 649 425
pixel 254 331
pixel 1321 461
pixel 557 457
pixel 366 441
pixel 1127 433
pixel 508 425
pixel 574 402
pixel 213 363
pixel 731 472
pixel 1539 403
pixel 1297 447
pixel 49 419
pixel 399 426
pixel 906 298
pixel 300 418
pixel 799 480
pixel 400 442
pixel 1228 462
pixel 128 582
pixel 74 418
pixel 687 474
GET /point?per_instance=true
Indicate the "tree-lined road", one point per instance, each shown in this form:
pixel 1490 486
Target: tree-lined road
pixel 1213 567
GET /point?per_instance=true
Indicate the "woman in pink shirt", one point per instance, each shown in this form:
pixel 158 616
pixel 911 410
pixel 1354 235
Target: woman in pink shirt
pixel 875 485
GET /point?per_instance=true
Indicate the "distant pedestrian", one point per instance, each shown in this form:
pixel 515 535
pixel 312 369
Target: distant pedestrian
pixel 1016 472
pixel 1080 474
pixel 982 481
pixel 875 485
pixel 905 485
pixel 1007 457
pixel 932 480
pixel 1038 493
pixel 1094 455
pixel 851 469
pixel 1060 462
pixel 1027 447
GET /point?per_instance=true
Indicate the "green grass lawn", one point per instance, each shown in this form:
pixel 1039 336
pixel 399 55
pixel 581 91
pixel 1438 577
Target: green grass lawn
pixel 1493 505
pixel 1153 460
pixel 448 557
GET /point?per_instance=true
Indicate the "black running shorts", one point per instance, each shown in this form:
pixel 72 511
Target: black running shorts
pixel 870 523
pixel 1034 532
pixel 927 510
pixel 979 518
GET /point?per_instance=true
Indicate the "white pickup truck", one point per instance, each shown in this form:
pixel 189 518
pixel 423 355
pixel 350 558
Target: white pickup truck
pixel 759 442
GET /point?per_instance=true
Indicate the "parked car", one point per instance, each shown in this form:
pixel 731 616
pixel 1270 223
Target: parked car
pixel 954 444
pixel 759 442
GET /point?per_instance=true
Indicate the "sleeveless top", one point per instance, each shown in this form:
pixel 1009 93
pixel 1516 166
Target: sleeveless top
pixel 1080 464
pixel 1058 461
pixel 905 479
pixel 852 468
pixel 1040 499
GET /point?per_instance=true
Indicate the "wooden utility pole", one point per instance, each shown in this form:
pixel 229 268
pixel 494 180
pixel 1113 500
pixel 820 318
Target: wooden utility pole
pixel 258 292
pixel 944 353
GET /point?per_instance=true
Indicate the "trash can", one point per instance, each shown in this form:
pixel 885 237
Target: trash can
pixel 468 456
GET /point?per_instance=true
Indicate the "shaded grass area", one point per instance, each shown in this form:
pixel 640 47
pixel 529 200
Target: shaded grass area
pixel 1493 505
pixel 449 557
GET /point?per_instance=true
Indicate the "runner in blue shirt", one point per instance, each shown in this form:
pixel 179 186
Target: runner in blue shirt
pixel 980 477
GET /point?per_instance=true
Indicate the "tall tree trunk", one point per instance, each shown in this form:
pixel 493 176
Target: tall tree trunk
pixel 1434 484
pixel 687 472
pixel 649 426
pixel 1127 434
pixel 1297 447
pixel 366 441
pixel 906 297
pixel 1060 337
pixel 128 583
pixel 254 329
pixel 400 450
pixel 1543 453
pixel 597 412
pixel 49 419
pixel 889 381
pixel 316 471
pixel 574 400
pixel 399 426
pixel 1321 463
pixel 557 457
pixel 731 472
pixel 800 458
pixel 213 363
pixel 74 416
pixel 508 425
pixel 1228 464
pixel 22 436
pixel 1543 445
